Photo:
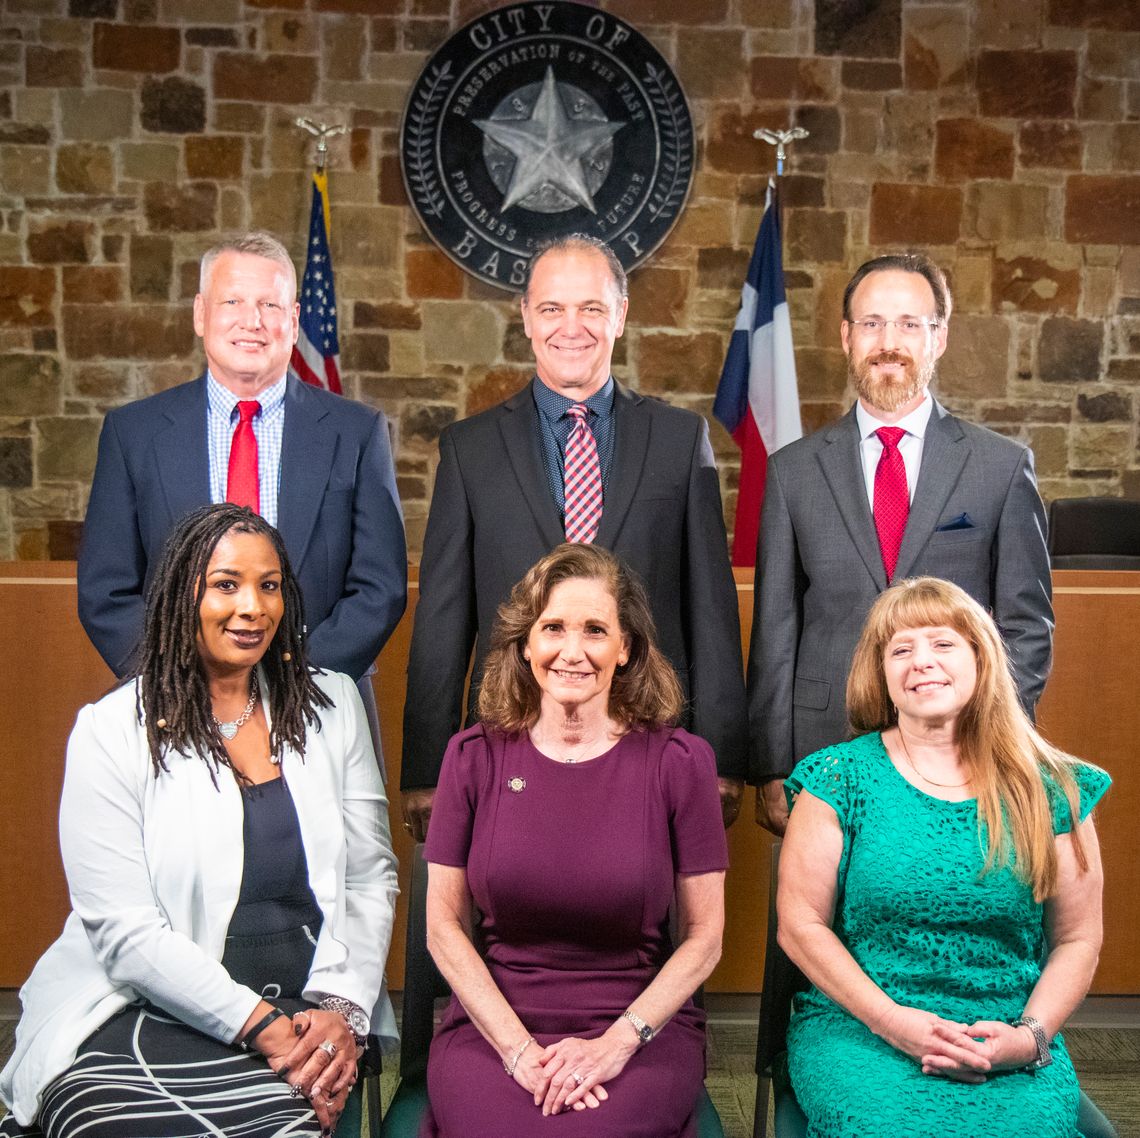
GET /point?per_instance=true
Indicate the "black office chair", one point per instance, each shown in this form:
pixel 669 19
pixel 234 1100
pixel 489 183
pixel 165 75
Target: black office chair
pixel 1094 533
pixel 782 979
pixel 423 985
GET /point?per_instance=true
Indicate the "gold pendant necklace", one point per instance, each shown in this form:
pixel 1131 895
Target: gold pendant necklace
pixel 925 778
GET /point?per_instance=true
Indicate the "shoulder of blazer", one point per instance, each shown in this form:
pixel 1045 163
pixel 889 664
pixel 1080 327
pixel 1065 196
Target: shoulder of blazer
pixel 317 403
pixel 476 426
pixel 170 404
pixel 988 442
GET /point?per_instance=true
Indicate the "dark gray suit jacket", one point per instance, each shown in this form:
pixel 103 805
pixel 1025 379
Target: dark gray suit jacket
pixel 976 519
pixel 493 516
pixel 337 510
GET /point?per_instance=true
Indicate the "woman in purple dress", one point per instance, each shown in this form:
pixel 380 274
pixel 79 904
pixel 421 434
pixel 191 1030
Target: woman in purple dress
pixel 566 824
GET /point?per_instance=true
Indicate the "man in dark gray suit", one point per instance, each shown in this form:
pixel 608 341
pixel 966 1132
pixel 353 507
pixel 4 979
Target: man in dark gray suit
pixel 832 539
pixel 499 505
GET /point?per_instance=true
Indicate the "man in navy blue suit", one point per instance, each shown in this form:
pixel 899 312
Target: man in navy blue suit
pixel 322 468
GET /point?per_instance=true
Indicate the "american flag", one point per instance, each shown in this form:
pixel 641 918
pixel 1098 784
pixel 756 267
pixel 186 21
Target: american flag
pixel 757 399
pixel 316 354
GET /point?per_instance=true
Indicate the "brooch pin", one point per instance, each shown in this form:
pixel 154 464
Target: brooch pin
pixel 516 785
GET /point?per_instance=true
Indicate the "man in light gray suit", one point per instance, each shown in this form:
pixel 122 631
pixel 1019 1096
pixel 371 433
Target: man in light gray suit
pixel 855 506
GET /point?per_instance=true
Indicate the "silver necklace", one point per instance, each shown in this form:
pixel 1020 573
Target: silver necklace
pixel 229 730
pixel 925 778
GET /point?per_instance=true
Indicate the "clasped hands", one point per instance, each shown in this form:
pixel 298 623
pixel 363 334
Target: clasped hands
pixel 966 1053
pixel 316 1054
pixel 571 1073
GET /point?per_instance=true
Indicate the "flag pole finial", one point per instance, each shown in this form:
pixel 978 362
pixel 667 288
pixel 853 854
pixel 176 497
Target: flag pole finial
pixel 322 132
pixel 779 139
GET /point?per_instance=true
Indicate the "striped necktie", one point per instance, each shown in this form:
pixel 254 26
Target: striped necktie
pixel 582 479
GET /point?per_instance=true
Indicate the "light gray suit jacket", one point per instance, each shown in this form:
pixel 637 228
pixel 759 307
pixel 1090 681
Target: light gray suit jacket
pixel 976 519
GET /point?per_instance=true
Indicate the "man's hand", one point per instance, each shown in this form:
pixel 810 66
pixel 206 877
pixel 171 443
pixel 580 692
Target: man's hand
pixel 731 794
pixel 416 805
pixel 772 807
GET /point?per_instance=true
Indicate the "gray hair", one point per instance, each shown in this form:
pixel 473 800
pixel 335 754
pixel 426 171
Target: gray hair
pixel 257 243
pixel 578 243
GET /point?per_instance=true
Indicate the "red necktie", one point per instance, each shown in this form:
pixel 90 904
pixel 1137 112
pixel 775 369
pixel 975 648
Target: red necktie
pixel 892 502
pixel 582 479
pixel 242 486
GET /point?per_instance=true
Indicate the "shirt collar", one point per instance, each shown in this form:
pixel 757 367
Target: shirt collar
pixel 223 401
pixel 914 422
pixel 554 406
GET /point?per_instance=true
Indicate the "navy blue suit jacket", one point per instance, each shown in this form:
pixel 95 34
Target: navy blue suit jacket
pixel 338 512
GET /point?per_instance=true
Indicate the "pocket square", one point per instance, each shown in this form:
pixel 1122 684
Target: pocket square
pixel 962 521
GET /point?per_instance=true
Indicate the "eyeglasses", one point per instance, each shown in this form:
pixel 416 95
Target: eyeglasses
pixel 906 325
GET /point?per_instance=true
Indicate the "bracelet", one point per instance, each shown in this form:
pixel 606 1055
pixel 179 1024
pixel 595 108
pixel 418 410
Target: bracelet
pixel 246 1043
pixel 510 1066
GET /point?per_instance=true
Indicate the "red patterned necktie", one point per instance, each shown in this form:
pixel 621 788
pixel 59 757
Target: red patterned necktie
pixel 242 486
pixel 582 479
pixel 892 501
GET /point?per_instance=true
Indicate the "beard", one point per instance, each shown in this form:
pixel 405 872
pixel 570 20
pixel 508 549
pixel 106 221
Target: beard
pixel 889 393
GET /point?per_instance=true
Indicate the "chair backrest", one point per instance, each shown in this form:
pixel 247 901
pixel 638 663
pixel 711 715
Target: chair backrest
pixel 1094 533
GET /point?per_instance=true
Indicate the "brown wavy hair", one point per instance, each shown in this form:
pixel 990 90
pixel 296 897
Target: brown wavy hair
pixel 645 692
pixel 1001 751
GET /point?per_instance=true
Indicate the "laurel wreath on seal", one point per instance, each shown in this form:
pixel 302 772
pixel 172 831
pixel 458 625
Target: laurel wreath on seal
pixel 422 116
pixel 675 164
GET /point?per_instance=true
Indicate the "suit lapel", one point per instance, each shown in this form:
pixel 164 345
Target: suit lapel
pixel 944 453
pixel 519 430
pixel 307 450
pixel 181 453
pixel 631 444
pixel 843 470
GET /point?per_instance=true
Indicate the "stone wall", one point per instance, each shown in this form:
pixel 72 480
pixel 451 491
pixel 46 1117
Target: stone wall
pixel 1003 136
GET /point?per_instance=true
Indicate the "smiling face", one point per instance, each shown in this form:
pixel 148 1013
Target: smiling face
pixel 931 673
pixel 573 314
pixel 575 645
pixel 890 369
pixel 241 604
pixel 247 318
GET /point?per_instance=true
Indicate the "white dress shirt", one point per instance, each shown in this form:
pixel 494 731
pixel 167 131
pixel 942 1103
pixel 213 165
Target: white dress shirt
pixel 910 445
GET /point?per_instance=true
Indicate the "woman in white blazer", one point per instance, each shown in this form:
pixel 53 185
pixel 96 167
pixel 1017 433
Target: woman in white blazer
pixel 225 836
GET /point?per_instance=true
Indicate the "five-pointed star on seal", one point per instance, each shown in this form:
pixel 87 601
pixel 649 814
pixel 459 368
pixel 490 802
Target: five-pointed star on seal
pixel 549 147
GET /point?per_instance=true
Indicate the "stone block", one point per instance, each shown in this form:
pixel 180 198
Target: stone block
pixel 48 67
pixel 824 128
pixel 66 448
pixel 187 208
pixel 239 118
pixel 391 181
pixel 60 242
pixel 657 298
pixel 287 32
pixel 793 79
pixel 24 134
pixel 384 33
pixel 344 41
pixel 272 79
pixel 1050 446
pixel 936 47
pixel 387 315
pixel 1099 294
pixel 965 149
pixel 424 35
pixel 1123 371
pixel 364 351
pixel 639 12
pixel 25 170
pixel 815 235
pixel 977 358
pixel 1103 209
pixel 1069 350
pixel 868 30
pixel 1009 23
pixel 135 332
pixel 731 147
pixel 908 131
pixel 126 47
pixel 406 353
pixel 92 284
pixel 492 385
pixel 423 422
pixel 461 332
pixel 1100 447
pixel 149 161
pixel 871 75
pixel 280 201
pixel 93 9
pixel 29 385
pixel 1052 144
pixel 211 37
pixel 1115 15
pixel 1027 84
pixel 1101 99
pixel 1113 55
pixel 152 262
pixel 1032 284
pixel 101 115
pixel 215 156
pixel 1001 211
pixel 821 373
pixel 703 224
pixel 722 268
pixel 430 274
pixel 1126 147
pixel 95 381
pixel 675 363
pixel 15 462
pixel 84 169
pixel 368 236
pixel 915 214
pixel 173 106
pixel 207 11
pixel 1105 407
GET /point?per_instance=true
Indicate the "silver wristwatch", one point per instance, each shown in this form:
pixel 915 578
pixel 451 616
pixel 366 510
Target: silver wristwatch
pixel 1044 1055
pixel 354 1015
pixel 644 1032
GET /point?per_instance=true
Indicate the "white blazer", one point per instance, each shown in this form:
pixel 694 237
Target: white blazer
pixel 154 868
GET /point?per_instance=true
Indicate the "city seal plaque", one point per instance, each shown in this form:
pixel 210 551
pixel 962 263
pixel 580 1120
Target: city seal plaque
pixel 543 119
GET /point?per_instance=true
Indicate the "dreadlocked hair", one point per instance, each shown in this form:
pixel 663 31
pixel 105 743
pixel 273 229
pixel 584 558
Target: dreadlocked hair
pixel 172 686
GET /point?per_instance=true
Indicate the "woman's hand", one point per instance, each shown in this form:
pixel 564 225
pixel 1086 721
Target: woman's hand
pixel 1007 1047
pixel 942 1046
pixel 574 1070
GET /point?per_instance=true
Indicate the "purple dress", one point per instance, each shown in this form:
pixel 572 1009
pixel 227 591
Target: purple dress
pixel 572 869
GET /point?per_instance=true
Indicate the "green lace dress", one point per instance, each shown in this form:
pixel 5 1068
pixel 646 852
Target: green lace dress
pixel 919 919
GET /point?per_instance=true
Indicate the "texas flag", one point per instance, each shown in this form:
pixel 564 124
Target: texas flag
pixel 757 400
pixel 316 354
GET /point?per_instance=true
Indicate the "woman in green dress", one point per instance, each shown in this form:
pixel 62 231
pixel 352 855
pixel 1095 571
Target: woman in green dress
pixel 940 886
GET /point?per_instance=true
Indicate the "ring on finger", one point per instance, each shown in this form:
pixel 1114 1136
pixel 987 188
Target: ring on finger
pixel 578 1079
pixel 295 1090
pixel 328 1047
